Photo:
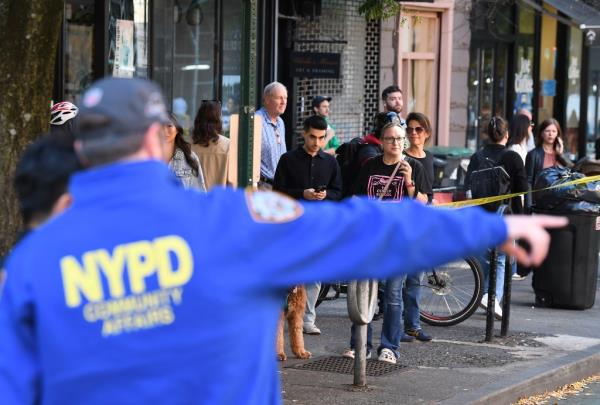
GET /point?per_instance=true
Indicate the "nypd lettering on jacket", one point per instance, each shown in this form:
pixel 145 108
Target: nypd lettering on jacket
pixel 122 303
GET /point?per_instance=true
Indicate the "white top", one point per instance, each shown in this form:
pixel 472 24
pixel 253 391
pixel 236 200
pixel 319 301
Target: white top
pixel 521 149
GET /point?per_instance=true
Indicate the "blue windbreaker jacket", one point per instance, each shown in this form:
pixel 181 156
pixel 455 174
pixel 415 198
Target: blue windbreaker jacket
pixel 143 292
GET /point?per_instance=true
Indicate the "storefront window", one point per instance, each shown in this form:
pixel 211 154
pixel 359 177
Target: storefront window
pixel 127 38
pixel 419 43
pixel 593 113
pixel 419 33
pixel 547 66
pixel 232 47
pixel 194 39
pixel 573 93
pixel 78 49
pixel 523 82
pixel 473 106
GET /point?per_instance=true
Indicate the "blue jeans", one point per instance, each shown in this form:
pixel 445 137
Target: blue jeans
pixel 411 294
pixel 484 259
pixel 353 332
pixel 392 328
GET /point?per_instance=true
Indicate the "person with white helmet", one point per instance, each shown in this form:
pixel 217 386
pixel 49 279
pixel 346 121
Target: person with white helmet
pixel 62 117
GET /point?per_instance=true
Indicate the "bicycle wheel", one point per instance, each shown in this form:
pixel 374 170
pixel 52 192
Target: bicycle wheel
pixel 322 294
pixel 451 293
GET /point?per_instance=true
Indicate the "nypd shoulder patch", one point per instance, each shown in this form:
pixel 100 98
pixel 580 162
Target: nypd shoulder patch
pixel 272 207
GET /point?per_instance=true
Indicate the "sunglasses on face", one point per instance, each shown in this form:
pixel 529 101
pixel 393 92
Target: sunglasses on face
pixel 418 130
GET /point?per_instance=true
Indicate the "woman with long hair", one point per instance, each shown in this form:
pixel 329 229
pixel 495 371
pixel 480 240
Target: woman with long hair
pixel 548 150
pixel 512 164
pixel 519 133
pixel 182 160
pixel 211 147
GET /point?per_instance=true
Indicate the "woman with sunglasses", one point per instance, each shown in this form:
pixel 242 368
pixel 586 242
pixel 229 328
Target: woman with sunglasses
pixel 390 177
pixel 182 161
pixel 418 131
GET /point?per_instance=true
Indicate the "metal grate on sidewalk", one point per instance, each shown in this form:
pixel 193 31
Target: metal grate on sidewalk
pixel 343 365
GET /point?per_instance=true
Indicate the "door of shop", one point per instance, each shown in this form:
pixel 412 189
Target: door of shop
pixel 487 89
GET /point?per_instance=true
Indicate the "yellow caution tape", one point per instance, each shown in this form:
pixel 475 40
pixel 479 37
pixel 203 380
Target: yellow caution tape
pixel 485 200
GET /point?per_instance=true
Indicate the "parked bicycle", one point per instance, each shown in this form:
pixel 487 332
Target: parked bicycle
pixel 450 293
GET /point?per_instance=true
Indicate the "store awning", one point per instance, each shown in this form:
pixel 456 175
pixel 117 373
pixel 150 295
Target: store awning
pixel 579 12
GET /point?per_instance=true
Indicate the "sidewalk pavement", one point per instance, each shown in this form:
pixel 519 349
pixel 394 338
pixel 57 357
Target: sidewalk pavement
pixel 546 348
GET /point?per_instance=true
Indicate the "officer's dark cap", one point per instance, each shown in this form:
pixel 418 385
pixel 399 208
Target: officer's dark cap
pixel 120 106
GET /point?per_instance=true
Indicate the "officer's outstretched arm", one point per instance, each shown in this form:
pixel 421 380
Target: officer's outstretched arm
pixel 358 238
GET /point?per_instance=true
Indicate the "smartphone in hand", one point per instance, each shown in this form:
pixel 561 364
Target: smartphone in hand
pixel 319 189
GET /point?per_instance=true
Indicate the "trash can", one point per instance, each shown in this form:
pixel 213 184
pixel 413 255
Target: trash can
pixel 567 277
pixel 450 167
pixel 451 174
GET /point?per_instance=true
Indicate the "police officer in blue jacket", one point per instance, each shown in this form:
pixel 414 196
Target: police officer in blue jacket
pixel 145 292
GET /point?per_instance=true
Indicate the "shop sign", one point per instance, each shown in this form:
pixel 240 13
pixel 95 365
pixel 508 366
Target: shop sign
pixel 548 88
pixel 573 72
pixel 124 50
pixel 523 79
pixel 310 64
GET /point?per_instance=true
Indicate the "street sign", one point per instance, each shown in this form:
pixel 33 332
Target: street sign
pixel 311 64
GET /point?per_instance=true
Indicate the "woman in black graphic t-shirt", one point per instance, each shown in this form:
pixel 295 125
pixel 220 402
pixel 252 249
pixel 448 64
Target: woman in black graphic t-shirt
pixel 409 179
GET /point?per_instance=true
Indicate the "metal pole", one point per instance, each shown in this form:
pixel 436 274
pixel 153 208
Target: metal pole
pixel 489 321
pixel 360 358
pixel 506 299
pixel 247 92
pixel 362 301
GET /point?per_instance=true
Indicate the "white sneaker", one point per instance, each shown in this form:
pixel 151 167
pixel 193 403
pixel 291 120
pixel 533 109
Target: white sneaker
pixel 387 355
pixel 497 311
pixel 311 330
pixel 483 303
pixel 350 353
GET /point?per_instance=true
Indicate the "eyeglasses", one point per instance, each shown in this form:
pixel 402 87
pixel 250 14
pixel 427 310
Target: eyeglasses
pixel 394 139
pixel 418 130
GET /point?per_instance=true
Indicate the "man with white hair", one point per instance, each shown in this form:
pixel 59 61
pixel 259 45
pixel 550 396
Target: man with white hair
pixel 273 131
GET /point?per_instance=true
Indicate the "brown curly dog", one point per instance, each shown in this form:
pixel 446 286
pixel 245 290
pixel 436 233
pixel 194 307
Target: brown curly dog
pixel 294 314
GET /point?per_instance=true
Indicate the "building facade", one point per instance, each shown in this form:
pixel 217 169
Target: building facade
pixel 228 50
pixel 538 56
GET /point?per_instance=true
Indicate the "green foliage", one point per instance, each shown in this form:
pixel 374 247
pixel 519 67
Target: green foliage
pixel 379 9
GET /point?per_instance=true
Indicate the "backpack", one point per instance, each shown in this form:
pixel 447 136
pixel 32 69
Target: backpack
pixel 489 180
pixel 347 158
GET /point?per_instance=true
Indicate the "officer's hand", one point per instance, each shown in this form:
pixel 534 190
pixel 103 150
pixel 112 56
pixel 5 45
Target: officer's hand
pixel 532 230
pixel 310 194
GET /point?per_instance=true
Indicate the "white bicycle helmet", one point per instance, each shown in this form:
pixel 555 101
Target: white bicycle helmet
pixel 62 112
